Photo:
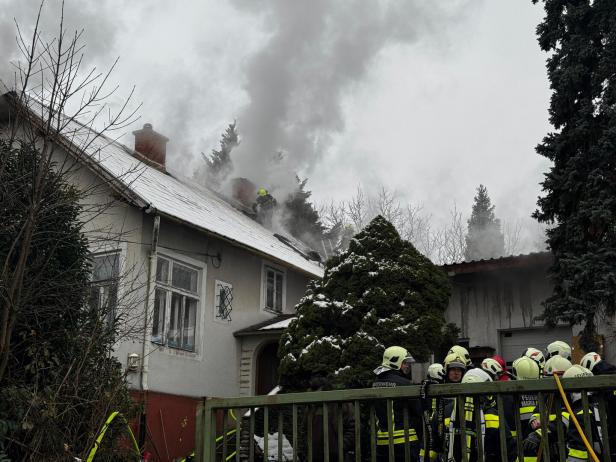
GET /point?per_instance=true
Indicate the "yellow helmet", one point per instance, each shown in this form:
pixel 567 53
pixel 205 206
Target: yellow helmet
pixel 577 371
pixel 559 348
pixel 262 192
pixel 525 368
pixel 461 352
pixel 556 365
pixel 394 356
pixel 454 360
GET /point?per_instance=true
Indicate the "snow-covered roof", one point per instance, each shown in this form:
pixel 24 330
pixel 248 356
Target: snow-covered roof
pixel 171 195
pixel 269 326
pixel 510 261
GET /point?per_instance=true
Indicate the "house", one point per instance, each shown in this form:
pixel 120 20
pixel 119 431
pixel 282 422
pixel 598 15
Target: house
pixel 496 303
pixel 198 270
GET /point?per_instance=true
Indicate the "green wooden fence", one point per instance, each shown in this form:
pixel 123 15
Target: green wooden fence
pixel 288 410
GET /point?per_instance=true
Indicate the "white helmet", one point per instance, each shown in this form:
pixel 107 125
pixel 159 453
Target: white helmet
pixel 476 376
pixel 536 355
pixel 577 371
pixel 436 372
pixel 492 367
pixel 590 360
pixel 394 356
pixel 559 348
pixel 556 365
pixel 462 353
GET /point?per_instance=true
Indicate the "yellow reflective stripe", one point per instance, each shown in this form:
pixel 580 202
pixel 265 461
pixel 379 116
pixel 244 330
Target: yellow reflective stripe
pixel 395 433
pixel 578 453
pixel 527 409
pixel 514 433
pixel 491 421
pixel 385 441
pixel 530 459
pixel 447 421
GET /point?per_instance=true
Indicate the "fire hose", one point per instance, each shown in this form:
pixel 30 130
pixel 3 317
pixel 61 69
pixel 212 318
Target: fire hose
pixel 575 420
pixel 101 435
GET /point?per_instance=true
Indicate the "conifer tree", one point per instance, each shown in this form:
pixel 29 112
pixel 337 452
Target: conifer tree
pixel 378 293
pixel 580 188
pixel 484 238
pixel 301 219
pixel 219 164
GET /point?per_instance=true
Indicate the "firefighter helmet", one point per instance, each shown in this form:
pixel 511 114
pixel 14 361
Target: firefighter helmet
pixel 536 355
pixel 462 353
pixel 492 367
pixel 262 192
pixel 476 376
pixel 394 356
pixel 577 371
pixel 559 348
pixel 436 371
pixel 525 368
pixel 590 360
pixel 556 365
pixel 454 360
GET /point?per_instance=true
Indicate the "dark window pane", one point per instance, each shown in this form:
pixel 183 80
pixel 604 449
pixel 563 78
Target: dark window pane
pixel 162 270
pixel 278 306
pixel 173 336
pixel 105 267
pixel 184 278
pixel 188 327
pixel 270 289
pixel 158 321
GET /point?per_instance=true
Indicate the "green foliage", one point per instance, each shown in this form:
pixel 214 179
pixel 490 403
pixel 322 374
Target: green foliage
pixel 61 381
pixel 484 238
pixel 380 292
pixel 300 217
pixel 219 164
pixel 580 188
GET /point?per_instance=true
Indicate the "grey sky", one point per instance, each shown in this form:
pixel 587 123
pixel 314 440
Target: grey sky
pixel 428 100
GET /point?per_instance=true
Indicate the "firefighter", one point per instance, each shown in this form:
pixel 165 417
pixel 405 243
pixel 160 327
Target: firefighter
pixel 455 367
pixel 525 368
pixel 593 362
pixel 493 368
pixel 496 371
pixel 559 348
pixel 576 450
pixel 264 207
pixel 558 365
pixel 431 407
pixel 504 375
pixel 393 372
pixel 462 353
pixel 490 426
pixel 537 356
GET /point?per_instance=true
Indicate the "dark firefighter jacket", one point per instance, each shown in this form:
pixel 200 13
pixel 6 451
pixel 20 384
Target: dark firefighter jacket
pixel 491 425
pixel 389 379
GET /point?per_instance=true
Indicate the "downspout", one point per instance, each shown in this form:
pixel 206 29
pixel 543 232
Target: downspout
pixel 149 301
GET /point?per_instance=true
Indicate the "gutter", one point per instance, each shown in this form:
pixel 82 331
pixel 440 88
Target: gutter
pixel 149 301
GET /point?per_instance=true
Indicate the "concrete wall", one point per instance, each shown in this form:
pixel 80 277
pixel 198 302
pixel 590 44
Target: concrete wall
pixel 482 303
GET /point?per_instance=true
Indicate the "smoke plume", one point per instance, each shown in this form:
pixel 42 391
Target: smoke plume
pixel 296 83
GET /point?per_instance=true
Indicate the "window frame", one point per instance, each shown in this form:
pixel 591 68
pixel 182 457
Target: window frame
pixel 266 265
pixel 101 252
pixel 169 289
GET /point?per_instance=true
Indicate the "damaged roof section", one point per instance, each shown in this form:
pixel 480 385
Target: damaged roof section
pixel 535 259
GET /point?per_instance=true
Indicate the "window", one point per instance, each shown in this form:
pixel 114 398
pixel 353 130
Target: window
pixel 176 299
pixel 224 301
pixel 104 287
pixel 273 286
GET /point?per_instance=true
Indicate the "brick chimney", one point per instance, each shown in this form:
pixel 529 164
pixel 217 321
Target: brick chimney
pixel 151 145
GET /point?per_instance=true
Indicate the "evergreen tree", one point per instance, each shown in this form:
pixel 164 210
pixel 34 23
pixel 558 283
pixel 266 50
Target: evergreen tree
pixel 580 188
pixel 380 292
pixel 219 164
pixel 301 219
pixel 61 381
pixel 484 238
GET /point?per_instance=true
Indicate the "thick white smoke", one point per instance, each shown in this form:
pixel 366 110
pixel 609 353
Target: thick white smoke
pixel 316 52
